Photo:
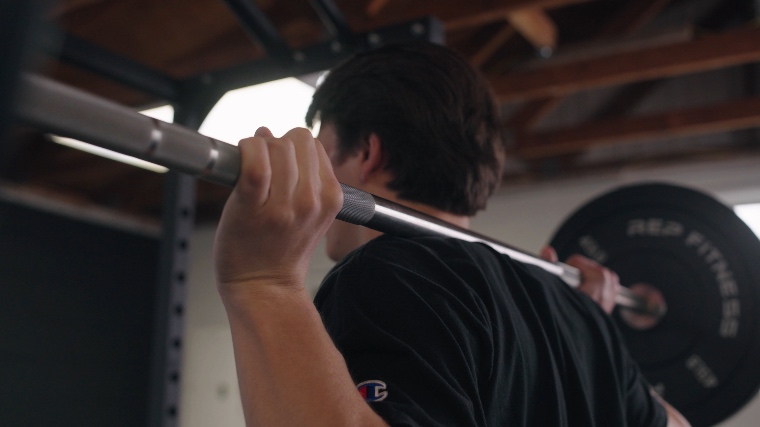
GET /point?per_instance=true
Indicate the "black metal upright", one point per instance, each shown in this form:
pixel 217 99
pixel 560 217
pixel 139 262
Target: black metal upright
pixel 333 19
pixel 17 26
pixel 177 226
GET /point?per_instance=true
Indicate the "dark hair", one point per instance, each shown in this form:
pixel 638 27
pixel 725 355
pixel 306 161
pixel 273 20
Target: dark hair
pixel 434 114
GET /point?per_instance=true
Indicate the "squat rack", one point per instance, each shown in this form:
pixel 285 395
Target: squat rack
pixel 192 99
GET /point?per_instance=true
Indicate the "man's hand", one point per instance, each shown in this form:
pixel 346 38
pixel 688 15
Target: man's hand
pixel 284 201
pixel 598 282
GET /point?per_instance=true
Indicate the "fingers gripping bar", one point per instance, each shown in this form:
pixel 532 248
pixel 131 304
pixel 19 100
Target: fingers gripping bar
pixel 56 108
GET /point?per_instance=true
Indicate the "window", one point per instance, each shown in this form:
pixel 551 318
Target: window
pixel 279 105
pixel 750 213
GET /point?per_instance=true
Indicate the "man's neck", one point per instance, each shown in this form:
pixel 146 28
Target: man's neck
pixel 461 221
pixel 384 192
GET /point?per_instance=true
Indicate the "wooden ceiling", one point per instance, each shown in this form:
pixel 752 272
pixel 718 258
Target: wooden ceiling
pixel 584 85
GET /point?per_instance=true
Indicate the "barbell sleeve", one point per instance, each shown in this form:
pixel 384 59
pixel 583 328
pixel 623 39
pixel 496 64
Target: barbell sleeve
pixel 56 108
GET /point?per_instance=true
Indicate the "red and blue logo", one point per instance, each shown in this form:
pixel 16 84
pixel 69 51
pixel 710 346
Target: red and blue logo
pixel 373 390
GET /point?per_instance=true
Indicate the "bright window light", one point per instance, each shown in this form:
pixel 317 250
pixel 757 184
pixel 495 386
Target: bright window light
pixel 164 113
pixel 751 215
pixel 279 105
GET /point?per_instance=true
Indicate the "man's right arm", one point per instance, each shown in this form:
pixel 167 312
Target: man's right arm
pixel 602 286
pixel 289 371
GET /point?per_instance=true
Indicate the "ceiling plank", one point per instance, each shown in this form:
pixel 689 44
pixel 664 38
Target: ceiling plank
pixel 643 161
pixel 637 14
pixel 536 26
pixel 706 53
pixel 724 117
pixel 465 15
pixel 626 99
pixel 632 44
pixel 375 6
pixel 62 8
pixel 455 14
pixel 531 113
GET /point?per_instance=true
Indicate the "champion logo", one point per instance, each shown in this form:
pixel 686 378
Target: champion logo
pixel 373 390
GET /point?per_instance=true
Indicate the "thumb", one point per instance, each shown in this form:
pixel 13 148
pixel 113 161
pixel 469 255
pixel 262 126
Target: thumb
pixel 549 254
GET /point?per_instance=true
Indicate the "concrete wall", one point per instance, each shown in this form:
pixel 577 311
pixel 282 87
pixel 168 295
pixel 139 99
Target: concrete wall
pixel 524 216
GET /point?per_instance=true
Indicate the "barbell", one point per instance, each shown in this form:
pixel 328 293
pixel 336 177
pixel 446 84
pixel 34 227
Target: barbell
pixel 676 248
pixel 57 108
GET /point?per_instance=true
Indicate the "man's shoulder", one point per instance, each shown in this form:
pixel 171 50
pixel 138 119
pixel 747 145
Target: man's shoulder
pixel 430 266
pixel 426 254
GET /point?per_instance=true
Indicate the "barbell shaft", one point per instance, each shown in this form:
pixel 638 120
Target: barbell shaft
pixel 53 107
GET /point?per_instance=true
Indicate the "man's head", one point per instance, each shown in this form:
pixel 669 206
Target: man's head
pixel 434 115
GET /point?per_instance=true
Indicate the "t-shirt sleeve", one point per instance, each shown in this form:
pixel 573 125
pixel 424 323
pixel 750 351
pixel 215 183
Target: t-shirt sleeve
pixel 413 346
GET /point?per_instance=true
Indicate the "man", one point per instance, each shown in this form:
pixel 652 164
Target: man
pixel 432 331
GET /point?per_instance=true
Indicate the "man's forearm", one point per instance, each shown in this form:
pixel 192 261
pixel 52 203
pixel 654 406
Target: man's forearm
pixel 290 372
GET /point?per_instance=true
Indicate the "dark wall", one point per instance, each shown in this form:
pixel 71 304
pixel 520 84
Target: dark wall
pixel 76 319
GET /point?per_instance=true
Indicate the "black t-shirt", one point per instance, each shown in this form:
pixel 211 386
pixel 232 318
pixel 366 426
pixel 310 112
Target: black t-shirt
pixel 440 332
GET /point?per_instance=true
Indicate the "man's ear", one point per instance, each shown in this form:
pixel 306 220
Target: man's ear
pixel 373 159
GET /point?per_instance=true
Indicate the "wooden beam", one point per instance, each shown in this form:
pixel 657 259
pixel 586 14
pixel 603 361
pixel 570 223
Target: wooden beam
pixel 468 14
pixel 62 8
pixel 375 6
pixel 700 154
pixel 455 14
pixel 706 53
pixel 637 14
pixel 536 26
pixel 531 114
pixel 492 45
pixel 533 24
pixel 729 116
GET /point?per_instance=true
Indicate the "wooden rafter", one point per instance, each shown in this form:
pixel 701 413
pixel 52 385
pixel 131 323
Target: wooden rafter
pixel 636 15
pixel 65 7
pixel 459 16
pixel 536 26
pixel 455 14
pixel 706 53
pixel 375 6
pixel 725 117
pixel 533 24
